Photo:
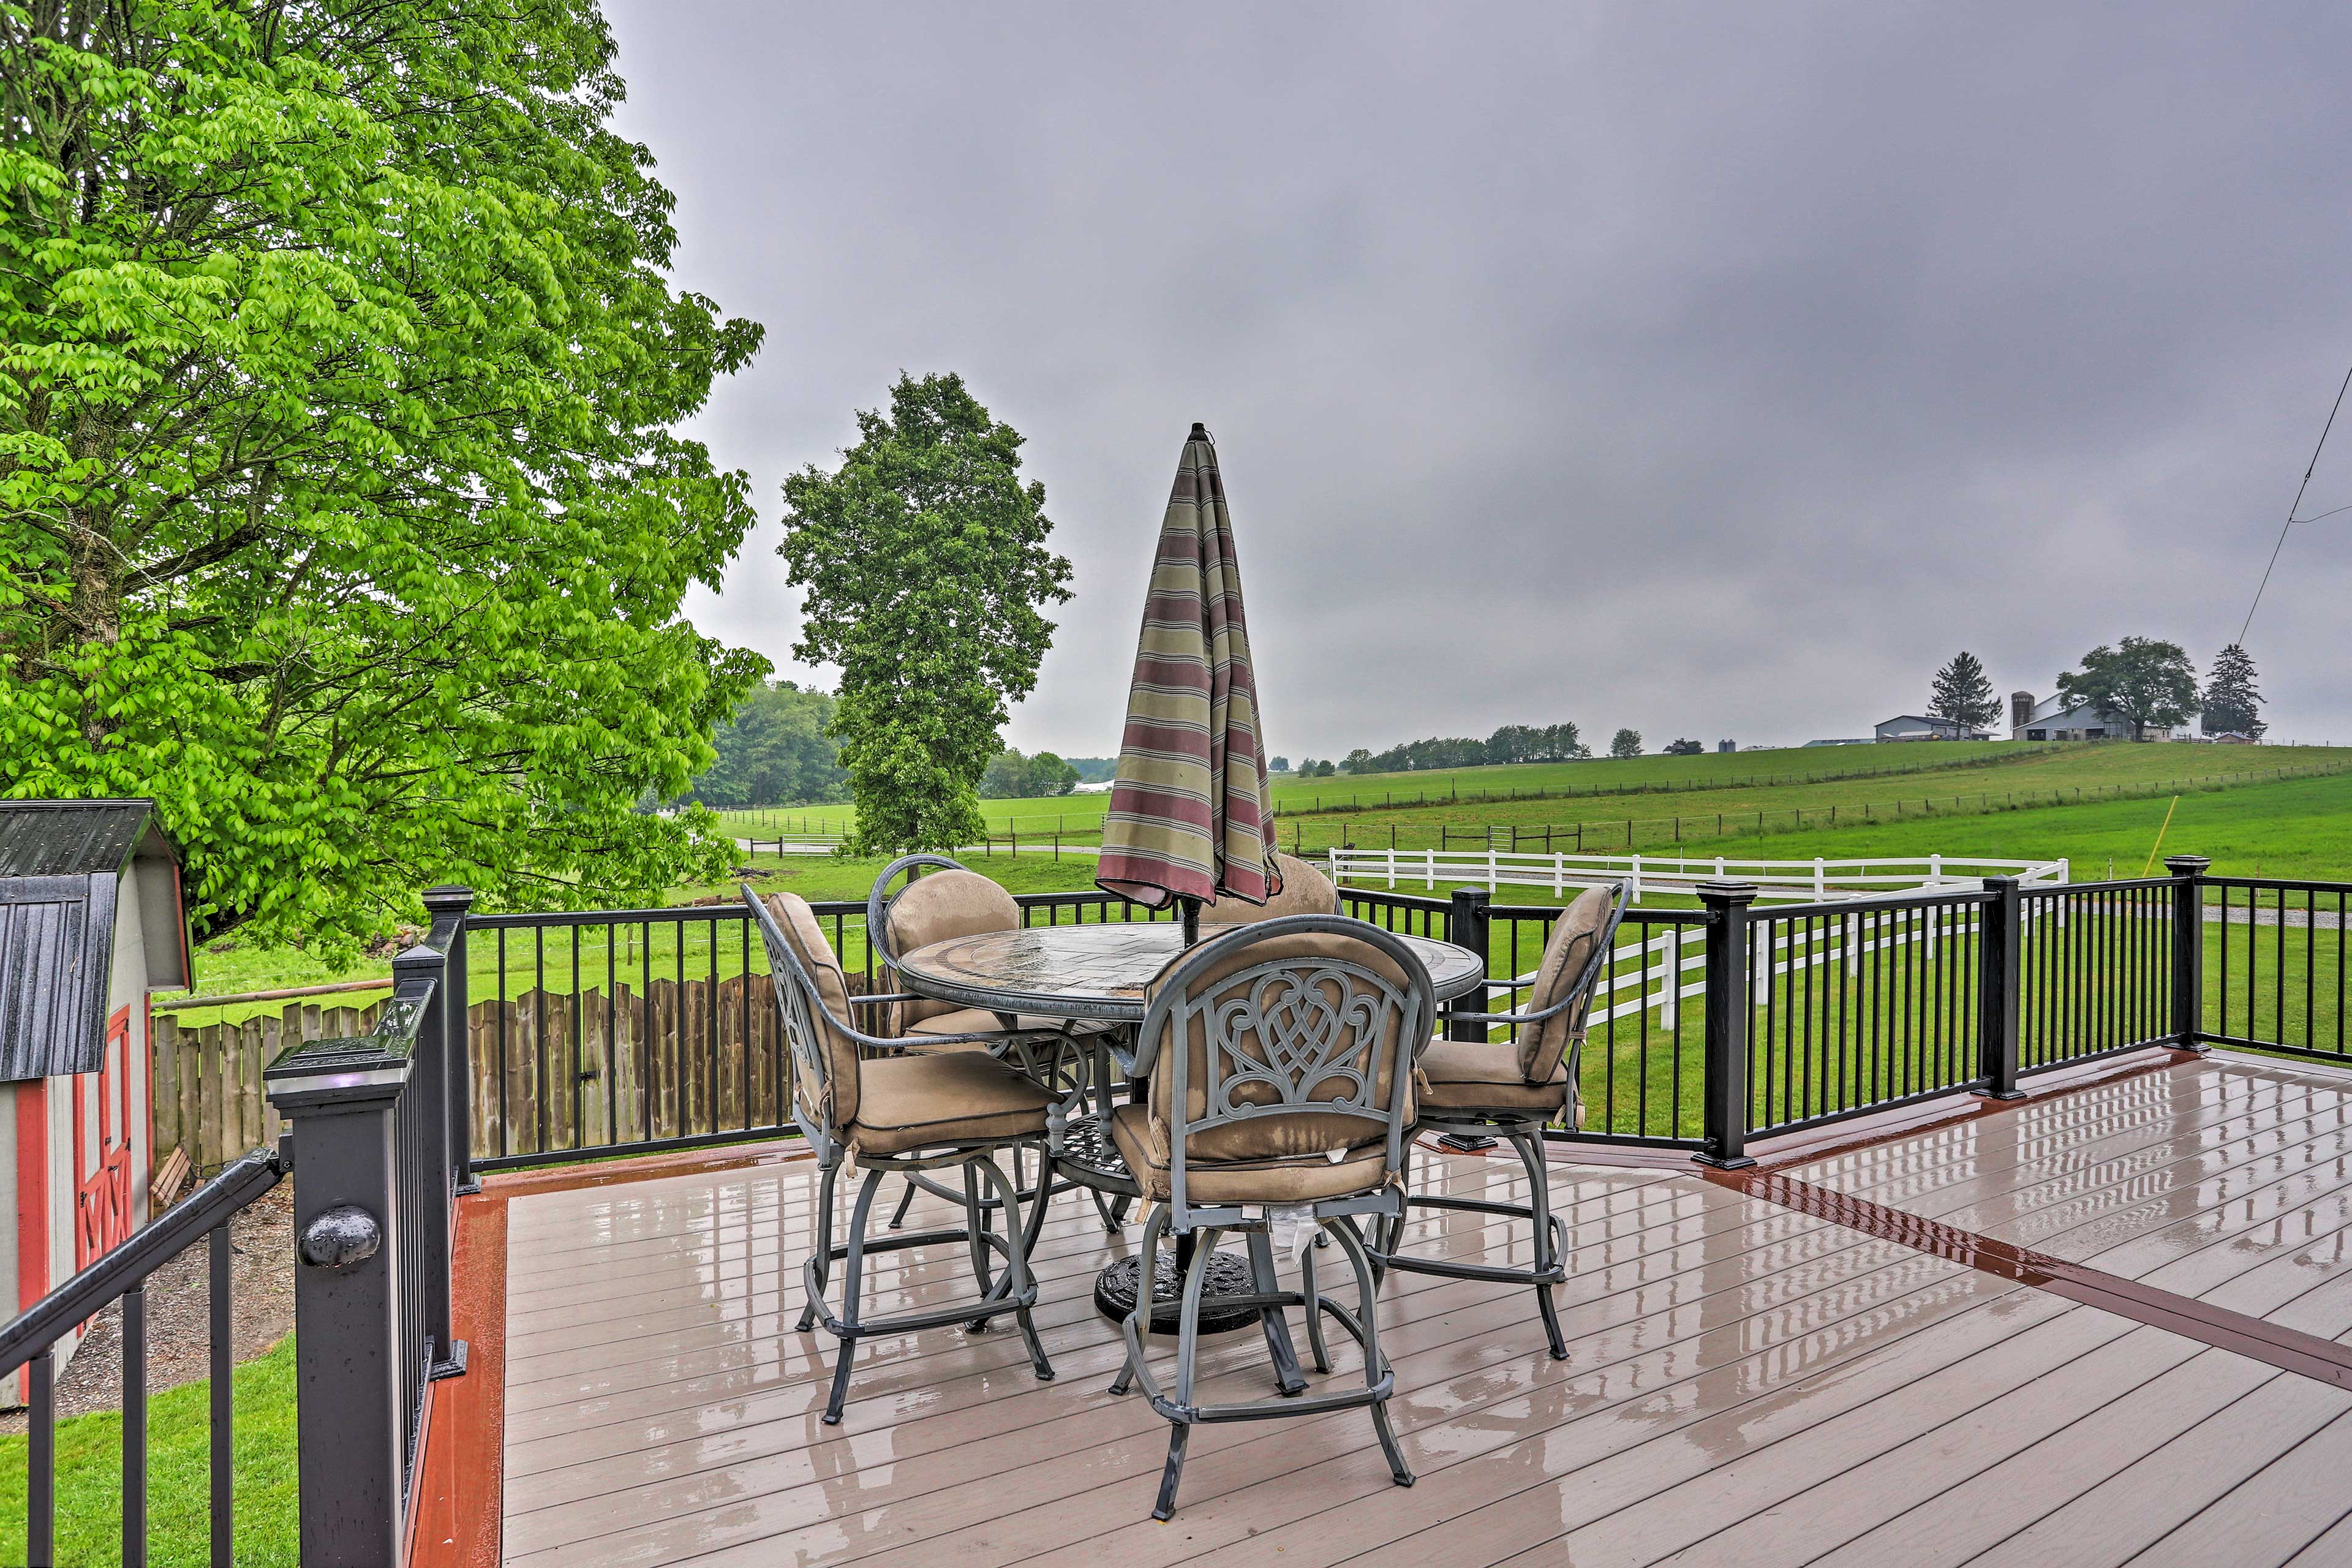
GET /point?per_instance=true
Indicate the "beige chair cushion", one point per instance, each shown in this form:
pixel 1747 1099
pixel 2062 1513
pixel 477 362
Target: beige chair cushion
pixel 806 938
pixel 1143 1144
pixel 939 905
pixel 952 1096
pixel 1277 1137
pixel 1471 1075
pixel 1574 937
pixel 1305 891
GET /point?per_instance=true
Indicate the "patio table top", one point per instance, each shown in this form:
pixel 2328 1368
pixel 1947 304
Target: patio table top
pixel 1100 971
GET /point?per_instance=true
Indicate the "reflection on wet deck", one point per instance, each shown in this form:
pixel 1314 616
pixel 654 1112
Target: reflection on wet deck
pixel 1746 1384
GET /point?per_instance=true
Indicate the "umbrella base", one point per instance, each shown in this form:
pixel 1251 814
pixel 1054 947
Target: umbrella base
pixel 1228 1275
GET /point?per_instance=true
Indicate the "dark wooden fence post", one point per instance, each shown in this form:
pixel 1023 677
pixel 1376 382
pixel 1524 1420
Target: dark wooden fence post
pixel 1466 925
pixel 340 1098
pixel 453 903
pixel 2188 949
pixel 1999 969
pixel 1725 1103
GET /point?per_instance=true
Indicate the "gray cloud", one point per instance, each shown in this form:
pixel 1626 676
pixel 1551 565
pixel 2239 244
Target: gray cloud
pixel 1717 372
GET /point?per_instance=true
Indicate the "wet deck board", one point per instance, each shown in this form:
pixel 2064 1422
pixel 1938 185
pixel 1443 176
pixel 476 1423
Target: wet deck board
pixel 1746 1383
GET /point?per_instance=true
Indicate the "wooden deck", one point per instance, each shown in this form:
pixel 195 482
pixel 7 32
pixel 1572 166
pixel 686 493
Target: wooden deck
pixel 2130 1354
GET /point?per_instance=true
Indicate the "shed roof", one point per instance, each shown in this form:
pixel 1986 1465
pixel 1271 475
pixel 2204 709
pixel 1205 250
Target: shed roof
pixel 64 868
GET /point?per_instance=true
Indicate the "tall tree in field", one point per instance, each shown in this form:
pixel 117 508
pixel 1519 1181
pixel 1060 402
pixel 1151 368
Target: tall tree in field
pixel 338 506
pixel 1963 694
pixel 925 560
pixel 2233 703
pixel 1626 744
pixel 2141 680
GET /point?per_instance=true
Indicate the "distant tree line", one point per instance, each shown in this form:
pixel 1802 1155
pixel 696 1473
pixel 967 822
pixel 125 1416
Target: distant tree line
pixel 1012 776
pixel 778 750
pixel 1511 743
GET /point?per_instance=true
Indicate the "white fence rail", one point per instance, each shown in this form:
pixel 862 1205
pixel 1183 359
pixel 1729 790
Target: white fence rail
pixel 1803 880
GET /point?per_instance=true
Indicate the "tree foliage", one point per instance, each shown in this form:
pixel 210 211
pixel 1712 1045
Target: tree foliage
pixel 777 751
pixel 2233 702
pixel 1625 743
pixel 1963 693
pixel 1683 748
pixel 339 507
pixel 925 560
pixel 1012 776
pixel 1510 743
pixel 2140 680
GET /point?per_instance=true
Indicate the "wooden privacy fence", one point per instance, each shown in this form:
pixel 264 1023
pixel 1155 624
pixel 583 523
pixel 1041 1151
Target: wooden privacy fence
pixel 556 1070
pixel 209 1096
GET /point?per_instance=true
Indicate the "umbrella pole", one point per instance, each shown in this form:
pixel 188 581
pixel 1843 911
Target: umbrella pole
pixel 1189 911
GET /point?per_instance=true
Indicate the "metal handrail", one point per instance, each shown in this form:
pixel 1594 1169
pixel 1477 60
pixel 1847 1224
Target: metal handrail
pixel 208 1208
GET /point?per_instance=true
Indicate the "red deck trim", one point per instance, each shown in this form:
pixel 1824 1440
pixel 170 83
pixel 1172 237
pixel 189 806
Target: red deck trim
pixel 460 1511
pixel 642 1168
pixel 2290 1350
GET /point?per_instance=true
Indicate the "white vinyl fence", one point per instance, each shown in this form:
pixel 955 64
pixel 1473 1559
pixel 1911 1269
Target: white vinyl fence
pixel 1802 880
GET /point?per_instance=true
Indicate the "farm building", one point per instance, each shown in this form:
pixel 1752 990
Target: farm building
pixel 1927 727
pixel 2062 719
pixel 91 921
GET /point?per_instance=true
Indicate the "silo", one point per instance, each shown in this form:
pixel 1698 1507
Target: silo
pixel 2020 712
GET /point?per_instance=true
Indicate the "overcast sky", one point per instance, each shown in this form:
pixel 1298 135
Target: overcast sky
pixel 1714 371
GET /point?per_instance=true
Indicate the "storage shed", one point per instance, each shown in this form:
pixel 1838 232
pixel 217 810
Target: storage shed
pixel 90 923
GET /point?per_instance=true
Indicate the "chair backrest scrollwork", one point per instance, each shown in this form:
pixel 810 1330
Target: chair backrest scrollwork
pixel 1284 1040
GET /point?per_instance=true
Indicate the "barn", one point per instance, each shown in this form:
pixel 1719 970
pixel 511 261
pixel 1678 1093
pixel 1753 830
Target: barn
pixel 90 923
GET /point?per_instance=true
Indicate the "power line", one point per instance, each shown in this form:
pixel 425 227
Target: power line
pixel 2291 509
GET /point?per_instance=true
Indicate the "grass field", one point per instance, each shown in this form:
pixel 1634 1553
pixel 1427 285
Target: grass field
pixel 1651 802
pixel 2035 802
pixel 178 1515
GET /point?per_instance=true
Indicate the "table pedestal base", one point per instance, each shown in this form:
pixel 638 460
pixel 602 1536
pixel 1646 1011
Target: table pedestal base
pixel 1228 1275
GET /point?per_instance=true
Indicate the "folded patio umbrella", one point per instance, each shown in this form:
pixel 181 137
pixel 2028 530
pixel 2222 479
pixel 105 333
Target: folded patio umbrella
pixel 1188 816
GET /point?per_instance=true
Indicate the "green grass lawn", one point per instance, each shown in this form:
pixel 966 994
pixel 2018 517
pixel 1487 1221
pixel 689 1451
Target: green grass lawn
pixel 179 1513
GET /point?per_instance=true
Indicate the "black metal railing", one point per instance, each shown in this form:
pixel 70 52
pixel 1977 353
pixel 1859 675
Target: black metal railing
pixel 1862 1005
pixel 30 1344
pixel 2094 971
pixel 2273 951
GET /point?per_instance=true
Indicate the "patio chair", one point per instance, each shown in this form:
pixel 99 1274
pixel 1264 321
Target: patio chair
pixel 1305 891
pixel 954 900
pixel 903 1114
pixel 1279 1061
pixel 1510 1090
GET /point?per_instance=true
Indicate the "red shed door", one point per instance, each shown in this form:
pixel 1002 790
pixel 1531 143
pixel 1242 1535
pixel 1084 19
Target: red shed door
pixel 102 1199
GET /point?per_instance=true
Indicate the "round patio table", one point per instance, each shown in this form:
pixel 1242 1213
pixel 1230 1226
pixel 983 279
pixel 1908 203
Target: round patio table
pixel 1098 973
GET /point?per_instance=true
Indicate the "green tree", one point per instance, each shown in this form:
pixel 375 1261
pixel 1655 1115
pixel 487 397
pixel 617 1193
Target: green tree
pixel 340 509
pixel 1278 765
pixel 1324 770
pixel 2141 680
pixel 1680 748
pixel 776 751
pixel 2233 703
pixel 1626 744
pixel 1963 694
pixel 1012 776
pixel 1359 761
pixel 925 560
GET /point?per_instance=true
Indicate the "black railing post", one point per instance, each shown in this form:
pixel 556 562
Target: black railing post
pixel 455 903
pixel 1999 979
pixel 1467 923
pixel 422 969
pixel 2188 949
pixel 1725 1102
pixel 338 1098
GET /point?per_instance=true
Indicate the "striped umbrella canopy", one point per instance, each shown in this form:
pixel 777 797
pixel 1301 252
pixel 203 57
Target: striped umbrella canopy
pixel 1190 817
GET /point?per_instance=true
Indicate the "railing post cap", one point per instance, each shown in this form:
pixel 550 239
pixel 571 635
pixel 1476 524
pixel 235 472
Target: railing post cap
pixel 450 896
pixel 2187 865
pixel 1713 891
